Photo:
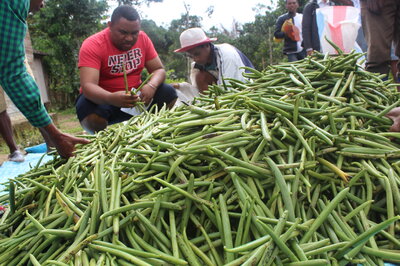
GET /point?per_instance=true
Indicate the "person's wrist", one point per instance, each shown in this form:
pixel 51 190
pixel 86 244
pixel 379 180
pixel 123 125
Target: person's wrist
pixel 52 131
pixel 152 86
pixel 110 99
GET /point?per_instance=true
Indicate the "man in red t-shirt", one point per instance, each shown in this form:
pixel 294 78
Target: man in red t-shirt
pixel 101 60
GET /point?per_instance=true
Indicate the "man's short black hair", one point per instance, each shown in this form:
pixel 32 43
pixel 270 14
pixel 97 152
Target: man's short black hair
pixel 124 11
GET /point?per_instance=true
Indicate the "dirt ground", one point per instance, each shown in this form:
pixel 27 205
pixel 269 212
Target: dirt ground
pixel 3 158
pixel 66 122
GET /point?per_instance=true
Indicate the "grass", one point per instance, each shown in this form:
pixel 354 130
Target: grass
pixel 68 122
pixel 69 111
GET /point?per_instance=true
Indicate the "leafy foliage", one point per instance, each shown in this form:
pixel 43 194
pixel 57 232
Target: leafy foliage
pixel 259 33
pixel 59 30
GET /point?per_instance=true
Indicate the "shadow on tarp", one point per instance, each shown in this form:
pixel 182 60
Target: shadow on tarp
pixel 13 169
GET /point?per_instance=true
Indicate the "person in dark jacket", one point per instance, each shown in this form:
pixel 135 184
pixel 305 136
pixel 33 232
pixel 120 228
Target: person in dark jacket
pixel 311 41
pixel 288 27
pixel 381 28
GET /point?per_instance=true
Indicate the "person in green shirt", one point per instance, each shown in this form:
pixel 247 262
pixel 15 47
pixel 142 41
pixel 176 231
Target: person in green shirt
pixel 17 83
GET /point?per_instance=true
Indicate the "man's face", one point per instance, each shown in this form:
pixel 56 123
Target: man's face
pixel 35 5
pixel 200 54
pixel 124 33
pixel 291 6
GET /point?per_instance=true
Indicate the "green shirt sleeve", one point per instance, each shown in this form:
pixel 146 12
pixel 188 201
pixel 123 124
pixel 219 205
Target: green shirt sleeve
pixel 14 78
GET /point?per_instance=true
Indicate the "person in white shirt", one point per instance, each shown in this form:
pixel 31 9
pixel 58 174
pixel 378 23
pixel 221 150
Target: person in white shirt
pixel 212 63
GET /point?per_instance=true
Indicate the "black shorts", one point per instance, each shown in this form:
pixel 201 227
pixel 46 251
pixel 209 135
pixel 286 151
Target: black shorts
pixel 165 94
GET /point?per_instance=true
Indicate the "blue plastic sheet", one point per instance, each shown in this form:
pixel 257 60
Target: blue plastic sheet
pixel 13 169
pixel 41 148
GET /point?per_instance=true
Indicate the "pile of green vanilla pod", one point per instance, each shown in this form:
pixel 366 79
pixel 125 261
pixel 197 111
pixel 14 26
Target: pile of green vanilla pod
pixel 295 167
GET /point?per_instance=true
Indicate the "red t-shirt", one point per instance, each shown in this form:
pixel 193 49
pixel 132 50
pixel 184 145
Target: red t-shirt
pixel 98 52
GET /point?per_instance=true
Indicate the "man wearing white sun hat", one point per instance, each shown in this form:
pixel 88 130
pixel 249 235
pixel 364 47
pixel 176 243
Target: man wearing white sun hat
pixel 211 63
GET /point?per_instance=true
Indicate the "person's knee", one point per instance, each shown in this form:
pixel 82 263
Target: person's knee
pixel 93 123
pixel 172 103
pixel 203 80
pixel 166 94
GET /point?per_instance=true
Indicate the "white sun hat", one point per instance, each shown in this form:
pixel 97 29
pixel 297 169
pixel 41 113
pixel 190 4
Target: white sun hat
pixel 191 38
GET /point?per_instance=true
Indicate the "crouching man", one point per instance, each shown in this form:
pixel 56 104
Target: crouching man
pixel 103 59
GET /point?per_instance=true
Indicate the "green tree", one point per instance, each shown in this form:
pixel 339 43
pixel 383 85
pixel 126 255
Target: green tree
pixel 59 30
pixel 157 34
pixel 256 41
pixel 161 39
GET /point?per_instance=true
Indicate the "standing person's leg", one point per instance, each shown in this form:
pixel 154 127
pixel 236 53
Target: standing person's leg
pixel 393 62
pixel 379 33
pixel 396 39
pixel 6 131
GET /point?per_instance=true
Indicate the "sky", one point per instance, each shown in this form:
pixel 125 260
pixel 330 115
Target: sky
pixel 225 11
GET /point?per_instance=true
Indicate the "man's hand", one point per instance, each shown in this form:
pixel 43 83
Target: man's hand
pixel 147 93
pixel 121 99
pixel 394 114
pixel 64 143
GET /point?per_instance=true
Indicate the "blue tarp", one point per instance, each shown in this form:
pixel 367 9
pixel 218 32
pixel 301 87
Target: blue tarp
pixel 35 155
